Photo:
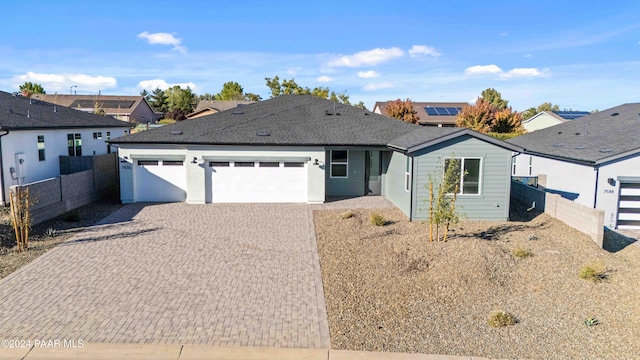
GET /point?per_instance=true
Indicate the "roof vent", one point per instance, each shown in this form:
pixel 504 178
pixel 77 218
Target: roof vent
pixel 327 112
pixel 237 112
pixel 366 113
pixel 577 133
pixel 559 132
pixel 558 145
pixel 615 114
pixel 581 147
pixel 606 150
pixel 175 132
pixel 263 133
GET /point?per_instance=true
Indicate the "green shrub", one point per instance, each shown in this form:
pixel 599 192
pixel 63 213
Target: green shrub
pixel 591 321
pixel 51 233
pixel 593 272
pixel 500 319
pixel 346 215
pixel 377 220
pixel 522 253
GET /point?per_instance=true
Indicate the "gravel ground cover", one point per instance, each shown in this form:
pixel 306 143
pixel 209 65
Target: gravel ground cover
pixel 45 236
pixel 388 288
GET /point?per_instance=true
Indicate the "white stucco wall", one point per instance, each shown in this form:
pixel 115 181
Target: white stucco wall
pixel 581 179
pixel 561 176
pixel 540 122
pixel 26 142
pixel 608 194
pixel 199 175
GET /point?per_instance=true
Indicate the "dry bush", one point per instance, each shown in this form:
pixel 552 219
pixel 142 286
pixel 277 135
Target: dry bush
pixel 501 318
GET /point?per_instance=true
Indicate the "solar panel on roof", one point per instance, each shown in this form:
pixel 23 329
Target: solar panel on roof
pixel 571 115
pixel 431 111
pixel 442 111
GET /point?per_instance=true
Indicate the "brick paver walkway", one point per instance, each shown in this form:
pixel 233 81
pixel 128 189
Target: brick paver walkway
pixel 229 275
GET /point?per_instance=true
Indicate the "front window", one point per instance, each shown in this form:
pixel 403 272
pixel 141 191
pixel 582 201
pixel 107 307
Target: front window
pixel 465 173
pixel 339 163
pixel 407 174
pixel 74 144
pixel 41 148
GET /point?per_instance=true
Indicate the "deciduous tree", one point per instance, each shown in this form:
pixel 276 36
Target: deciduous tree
pixel 403 110
pixel 179 98
pixel 546 106
pixel 490 114
pixel 290 87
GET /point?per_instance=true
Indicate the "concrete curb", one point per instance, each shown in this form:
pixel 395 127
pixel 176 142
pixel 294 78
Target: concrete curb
pixel 99 351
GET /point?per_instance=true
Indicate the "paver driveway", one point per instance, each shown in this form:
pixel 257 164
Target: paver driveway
pixel 232 274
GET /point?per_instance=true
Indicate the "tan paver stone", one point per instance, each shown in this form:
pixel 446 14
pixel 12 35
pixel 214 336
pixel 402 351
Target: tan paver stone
pixel 215 274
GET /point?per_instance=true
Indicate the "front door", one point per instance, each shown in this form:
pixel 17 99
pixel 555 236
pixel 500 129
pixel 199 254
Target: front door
pixel 372 173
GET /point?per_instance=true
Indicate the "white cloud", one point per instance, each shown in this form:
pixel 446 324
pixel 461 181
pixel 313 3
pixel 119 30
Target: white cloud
pixel 62 82
pixel 368 74
pixel 378 86
pixel 367 58
pixel 151 85
pixel 417 50
pixel 163 39
pixel 521 73
pixel 528 56
pixel 482 69
pixel 504 34
pixel 324 79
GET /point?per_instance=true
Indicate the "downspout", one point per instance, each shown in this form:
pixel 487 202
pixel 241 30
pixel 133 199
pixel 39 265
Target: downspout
pixel 412 192
pixel 595 195
pixel 4 197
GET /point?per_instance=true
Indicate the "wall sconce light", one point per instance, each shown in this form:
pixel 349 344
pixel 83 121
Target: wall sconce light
pixel 195 160
pixel 124 160
pixel 315 162
pixel 611 181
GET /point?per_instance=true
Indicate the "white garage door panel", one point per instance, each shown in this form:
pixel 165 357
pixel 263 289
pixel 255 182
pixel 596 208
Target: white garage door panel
pixel 629 205
pixel 259 184
pixel 159 183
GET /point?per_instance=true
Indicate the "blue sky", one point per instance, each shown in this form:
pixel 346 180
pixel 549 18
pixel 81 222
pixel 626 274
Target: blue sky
pixel 577 54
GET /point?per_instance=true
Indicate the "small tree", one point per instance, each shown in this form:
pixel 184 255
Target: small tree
pixel 442 203
pixel 21 218
pixel 402 110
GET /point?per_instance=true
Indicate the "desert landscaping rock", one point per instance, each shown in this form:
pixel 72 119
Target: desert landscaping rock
pixel 390 289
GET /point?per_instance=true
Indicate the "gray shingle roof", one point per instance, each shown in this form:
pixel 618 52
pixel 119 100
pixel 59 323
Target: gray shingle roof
pixel 21 113
pixel 423 137
pixel 287 119
pixel 592 139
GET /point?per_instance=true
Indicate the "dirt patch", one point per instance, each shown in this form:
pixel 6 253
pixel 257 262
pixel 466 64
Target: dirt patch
pixel 45 236
pixel 388 288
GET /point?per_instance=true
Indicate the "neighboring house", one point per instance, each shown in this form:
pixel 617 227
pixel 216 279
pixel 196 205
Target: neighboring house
pixel 133 109
pixel 304 149
pixel 34 134
pixel 593 160
pixel 208 107
pixel 439 114
pixel 545 119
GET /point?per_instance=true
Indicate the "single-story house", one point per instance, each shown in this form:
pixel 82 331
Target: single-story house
pixel 438 114
pixel 135 109
pixel 593 160
pixel 302 148
pixel 208 107
pixel 35 134
pixel 545 119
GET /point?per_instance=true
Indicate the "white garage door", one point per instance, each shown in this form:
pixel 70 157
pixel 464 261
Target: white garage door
pixel 258 181
pixel 160 181
pixel 629 204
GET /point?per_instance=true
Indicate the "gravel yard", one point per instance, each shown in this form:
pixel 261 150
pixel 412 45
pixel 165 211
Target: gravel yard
pixel 388 288
pixel 64 227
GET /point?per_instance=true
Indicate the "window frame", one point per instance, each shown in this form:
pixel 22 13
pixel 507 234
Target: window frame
pixel 408 167
pixel 462 167
pixel 41 149
pixel 332 163
pixel 74 144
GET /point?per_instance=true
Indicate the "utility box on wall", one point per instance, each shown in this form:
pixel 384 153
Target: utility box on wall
pixel 20 168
